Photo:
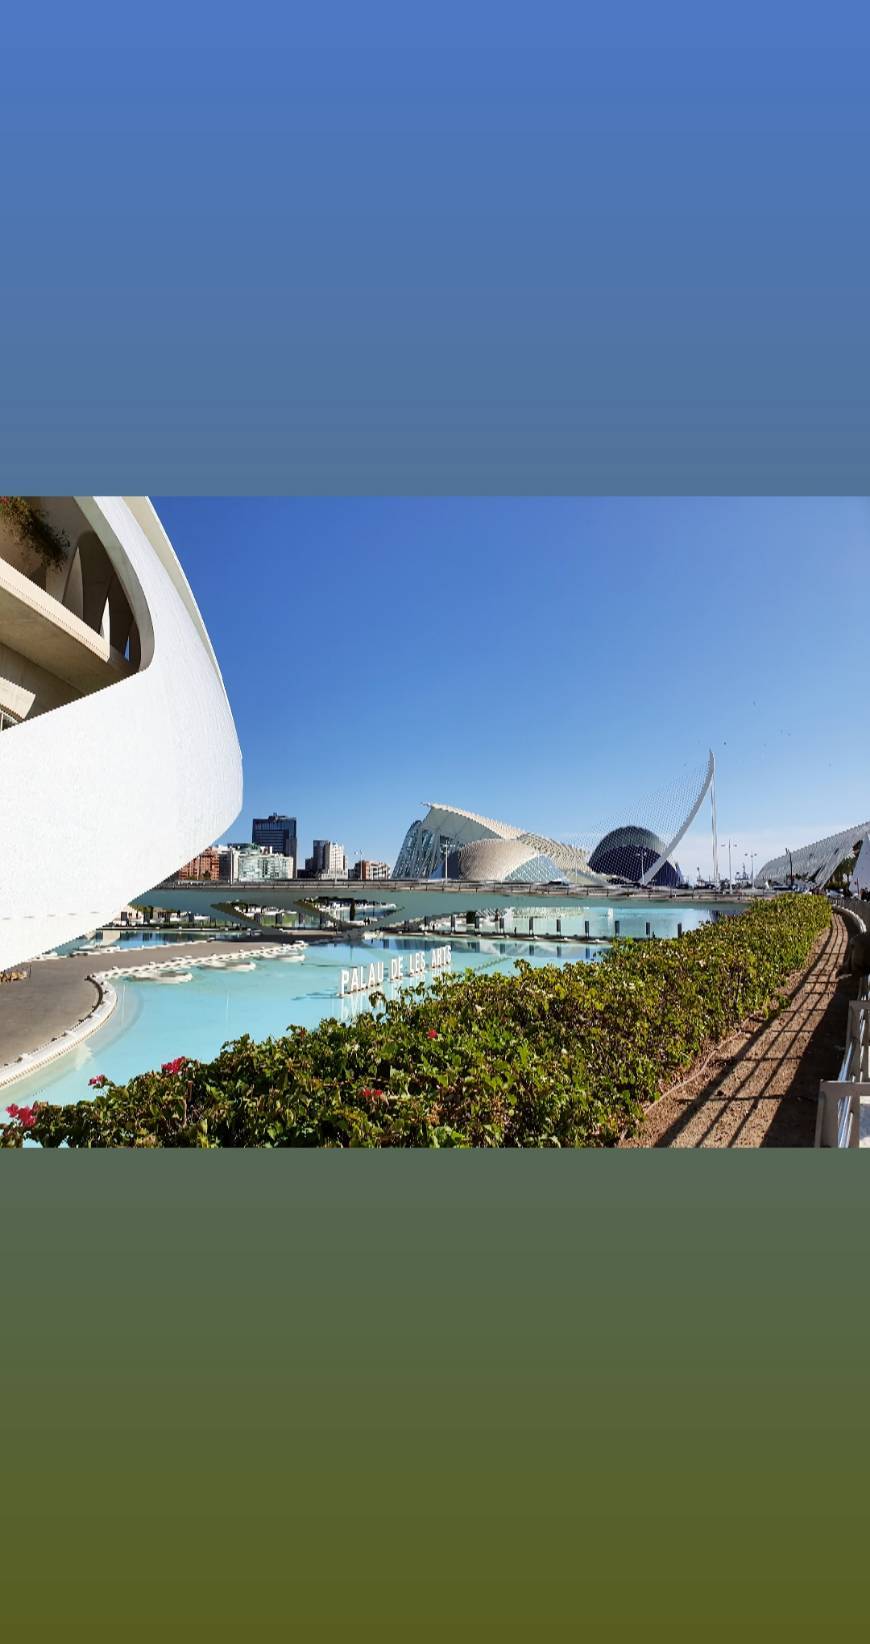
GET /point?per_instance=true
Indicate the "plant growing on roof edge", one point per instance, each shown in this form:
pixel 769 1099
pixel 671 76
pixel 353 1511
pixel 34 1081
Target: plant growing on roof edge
pixel 28 521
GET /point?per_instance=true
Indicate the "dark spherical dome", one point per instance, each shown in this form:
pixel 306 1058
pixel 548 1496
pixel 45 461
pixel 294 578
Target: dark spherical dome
pixel 628 852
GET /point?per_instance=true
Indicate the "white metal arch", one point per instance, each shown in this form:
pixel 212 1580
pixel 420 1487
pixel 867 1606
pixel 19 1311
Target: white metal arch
pixel 672 844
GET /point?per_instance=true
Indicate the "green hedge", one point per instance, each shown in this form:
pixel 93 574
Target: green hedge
pixel 544 1058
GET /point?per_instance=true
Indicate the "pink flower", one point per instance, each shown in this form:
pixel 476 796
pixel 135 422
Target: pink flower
pixel 174 1067
pixel 24 1115
pixel 99 1080
pixel 431 1034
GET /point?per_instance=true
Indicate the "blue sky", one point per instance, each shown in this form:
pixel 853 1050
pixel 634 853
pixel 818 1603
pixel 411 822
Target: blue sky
pixel 549 661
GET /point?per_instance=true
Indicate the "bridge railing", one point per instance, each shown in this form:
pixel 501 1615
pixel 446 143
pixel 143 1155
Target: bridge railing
pixel 524 889
pixel 844 1102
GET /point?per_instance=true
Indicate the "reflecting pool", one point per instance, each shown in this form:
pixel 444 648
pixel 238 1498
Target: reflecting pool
pixel 153 1023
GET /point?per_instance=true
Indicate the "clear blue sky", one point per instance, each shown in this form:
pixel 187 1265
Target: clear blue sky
pixel 544 661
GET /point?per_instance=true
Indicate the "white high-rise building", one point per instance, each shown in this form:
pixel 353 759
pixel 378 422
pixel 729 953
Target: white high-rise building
pixel 328 859
pixel 255 863
pixel 277 866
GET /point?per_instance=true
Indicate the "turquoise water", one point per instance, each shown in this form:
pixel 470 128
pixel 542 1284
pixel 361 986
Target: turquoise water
pixel 124 940
pixel 152 1023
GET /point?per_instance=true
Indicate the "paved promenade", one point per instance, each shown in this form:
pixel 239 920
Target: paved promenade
pixel 760 1087
pixel 58 995
pixel 855 905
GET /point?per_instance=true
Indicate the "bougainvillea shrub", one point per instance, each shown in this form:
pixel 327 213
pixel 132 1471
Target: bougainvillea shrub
pixel 553 1057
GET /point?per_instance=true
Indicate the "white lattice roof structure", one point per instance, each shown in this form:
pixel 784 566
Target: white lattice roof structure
pixel 460 835
pixel 816 861
pixel 491 828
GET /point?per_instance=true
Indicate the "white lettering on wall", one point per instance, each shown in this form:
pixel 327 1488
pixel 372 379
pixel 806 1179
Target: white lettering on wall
pixel 362 978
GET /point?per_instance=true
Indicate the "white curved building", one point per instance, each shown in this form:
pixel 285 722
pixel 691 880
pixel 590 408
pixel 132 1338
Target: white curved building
pixel 119 758
pixel 458 844
pixel 478 847
pixel 816 861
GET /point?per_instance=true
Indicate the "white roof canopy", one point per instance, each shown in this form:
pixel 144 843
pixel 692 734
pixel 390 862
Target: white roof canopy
pixel 860 879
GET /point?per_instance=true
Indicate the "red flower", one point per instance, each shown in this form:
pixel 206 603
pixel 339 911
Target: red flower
pixel 431 1034
pixel 99 1080
pixel 174 1067
pixel 24 1115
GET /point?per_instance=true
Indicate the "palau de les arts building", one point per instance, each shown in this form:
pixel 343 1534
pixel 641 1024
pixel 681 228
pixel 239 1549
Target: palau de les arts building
pixel 119 758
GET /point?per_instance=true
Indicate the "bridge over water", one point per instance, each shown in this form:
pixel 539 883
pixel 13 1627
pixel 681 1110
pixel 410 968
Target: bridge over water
pixel 401 901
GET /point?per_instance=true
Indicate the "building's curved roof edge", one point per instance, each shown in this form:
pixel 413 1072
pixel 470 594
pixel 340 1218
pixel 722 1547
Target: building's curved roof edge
pixel 816 851
pixel 148 519
pixel 500 830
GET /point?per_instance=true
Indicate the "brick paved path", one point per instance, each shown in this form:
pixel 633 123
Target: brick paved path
pixel 760 1089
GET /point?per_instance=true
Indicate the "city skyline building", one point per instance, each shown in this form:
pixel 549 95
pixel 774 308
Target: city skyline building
pixel 277 830
pixel 255 862
pixel 278 866
pixel 229 862
pixel 207 865
pixel 327 860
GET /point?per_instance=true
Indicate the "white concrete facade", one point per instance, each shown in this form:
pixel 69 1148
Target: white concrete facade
pixel 481 847
pixel 816 861
pixel 108 793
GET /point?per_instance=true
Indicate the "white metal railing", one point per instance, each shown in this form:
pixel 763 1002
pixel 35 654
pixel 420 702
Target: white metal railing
pixel 844 1102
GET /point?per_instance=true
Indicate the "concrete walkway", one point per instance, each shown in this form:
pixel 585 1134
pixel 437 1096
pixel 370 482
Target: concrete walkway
pixel 58 995
pixel 760 1087
pixel 55 996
